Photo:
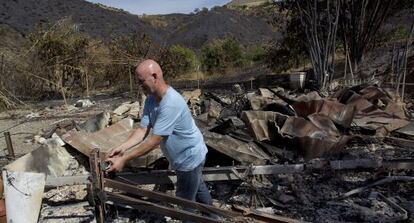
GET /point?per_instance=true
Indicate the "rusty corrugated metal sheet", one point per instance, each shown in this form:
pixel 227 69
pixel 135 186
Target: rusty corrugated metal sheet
pixel 107 139
pixel 337 112
pixel 246 153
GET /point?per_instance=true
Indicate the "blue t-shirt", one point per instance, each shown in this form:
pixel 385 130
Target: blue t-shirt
pixel 183 143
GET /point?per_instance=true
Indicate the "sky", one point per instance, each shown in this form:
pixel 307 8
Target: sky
pixel 151 7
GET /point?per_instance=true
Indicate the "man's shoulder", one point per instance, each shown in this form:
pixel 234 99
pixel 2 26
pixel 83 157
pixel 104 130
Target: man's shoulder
pixel 174 98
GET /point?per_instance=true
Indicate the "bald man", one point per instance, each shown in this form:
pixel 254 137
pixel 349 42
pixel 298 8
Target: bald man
pixel 173 127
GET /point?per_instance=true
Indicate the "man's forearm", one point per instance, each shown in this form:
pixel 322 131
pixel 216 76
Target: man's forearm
pixel 144 148
pixel 135 138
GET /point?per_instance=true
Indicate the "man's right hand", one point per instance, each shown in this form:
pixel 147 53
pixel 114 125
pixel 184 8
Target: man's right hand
pixel 116 152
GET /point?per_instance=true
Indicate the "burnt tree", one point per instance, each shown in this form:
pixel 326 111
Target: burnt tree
pixel 320 22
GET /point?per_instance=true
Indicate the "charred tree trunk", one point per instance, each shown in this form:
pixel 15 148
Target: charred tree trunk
pixel 320 25
pixel 360 21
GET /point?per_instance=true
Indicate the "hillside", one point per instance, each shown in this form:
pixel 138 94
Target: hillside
pixel 97 21
pixel 105 22
pixel 219 22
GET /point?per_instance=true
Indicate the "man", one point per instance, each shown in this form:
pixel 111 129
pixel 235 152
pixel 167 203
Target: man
pixel 167 114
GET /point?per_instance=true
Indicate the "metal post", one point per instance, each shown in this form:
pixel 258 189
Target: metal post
pixel 96 186
pixel 198 78
pixel 2 71
pixel 87 80
pixel 9 144
pixel 130 82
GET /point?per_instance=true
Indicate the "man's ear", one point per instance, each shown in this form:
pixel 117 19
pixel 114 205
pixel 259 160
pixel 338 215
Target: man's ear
pixel 155 76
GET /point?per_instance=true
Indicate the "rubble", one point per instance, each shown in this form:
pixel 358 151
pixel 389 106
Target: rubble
pixel 127 109
pixel 82 103
pixel 273 155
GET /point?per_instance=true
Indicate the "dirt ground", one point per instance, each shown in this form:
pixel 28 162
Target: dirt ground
pixel 35 120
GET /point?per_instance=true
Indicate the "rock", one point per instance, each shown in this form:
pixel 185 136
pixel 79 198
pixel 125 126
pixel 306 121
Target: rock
pixel 33 115
pixel 237 89
pixel 58 139
pixel 39 139
pixel 267 210
pixel 123 108
pixel 96 123
pixel 83 103
pixel 134 111
pixel 284 198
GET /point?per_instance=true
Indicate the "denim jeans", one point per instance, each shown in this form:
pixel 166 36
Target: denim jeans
pixel 191 186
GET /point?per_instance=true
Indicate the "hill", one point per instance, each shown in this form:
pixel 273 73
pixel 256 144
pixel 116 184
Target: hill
pixel 103 22
pixel 94 19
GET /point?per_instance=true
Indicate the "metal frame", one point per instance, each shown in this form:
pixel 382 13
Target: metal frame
pixel 145 200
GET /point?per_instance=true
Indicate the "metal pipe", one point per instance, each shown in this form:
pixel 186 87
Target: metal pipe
pixel 9 144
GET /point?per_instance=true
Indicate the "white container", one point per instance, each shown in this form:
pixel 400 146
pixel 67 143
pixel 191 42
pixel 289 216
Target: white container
pixel 23 192
pixel 297 80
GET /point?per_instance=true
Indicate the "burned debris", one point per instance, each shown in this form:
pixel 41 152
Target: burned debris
pixel 274 156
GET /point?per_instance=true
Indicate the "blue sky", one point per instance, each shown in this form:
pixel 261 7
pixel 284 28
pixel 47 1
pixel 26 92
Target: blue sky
pixel 151 7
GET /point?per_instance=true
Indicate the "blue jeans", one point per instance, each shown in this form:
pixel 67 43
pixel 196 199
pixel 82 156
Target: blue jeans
pixel 191 186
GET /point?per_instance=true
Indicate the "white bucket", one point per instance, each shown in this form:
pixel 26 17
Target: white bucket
pixel 297 80
pixel 23 192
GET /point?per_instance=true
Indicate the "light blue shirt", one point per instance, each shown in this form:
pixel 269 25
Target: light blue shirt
pixel 182 143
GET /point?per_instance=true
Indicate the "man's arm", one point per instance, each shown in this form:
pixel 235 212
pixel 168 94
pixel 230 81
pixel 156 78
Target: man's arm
pixel 144 148
pixel 136 137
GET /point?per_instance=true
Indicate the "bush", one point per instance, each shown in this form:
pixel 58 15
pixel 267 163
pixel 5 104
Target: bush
pixel 186 59
pixel 61 53
pixel 219 56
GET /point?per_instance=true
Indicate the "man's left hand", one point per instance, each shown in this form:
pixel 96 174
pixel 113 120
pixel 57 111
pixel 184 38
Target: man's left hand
pixel 117 164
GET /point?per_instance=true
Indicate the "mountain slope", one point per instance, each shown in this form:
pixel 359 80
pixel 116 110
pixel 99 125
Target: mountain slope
pixel 24 15
pixel 191 30
pixel 219 23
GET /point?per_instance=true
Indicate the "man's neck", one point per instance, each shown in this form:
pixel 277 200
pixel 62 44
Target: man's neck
pixel 161 92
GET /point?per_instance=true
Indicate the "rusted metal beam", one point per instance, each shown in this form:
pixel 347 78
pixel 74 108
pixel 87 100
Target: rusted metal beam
pixel 406 143
pixel 167 198
pixel 9 144
pixel 247 212
pixel 209 173
pixel 230 173
pixel 156 208
pixel 96 186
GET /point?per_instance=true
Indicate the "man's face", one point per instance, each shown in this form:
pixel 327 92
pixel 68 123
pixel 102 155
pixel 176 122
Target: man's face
pixel 147 82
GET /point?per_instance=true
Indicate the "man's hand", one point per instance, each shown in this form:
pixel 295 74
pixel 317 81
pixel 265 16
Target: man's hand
pixel 117 164
pixel 117 152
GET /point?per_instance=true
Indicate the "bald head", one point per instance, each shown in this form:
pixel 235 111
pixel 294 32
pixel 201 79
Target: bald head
pixel 150 76
pixel 149 68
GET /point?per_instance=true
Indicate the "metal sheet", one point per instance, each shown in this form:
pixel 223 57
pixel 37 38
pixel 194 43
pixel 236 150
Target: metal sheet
pixel 262 124
pixel 246 153
pixel 407 130
pixel 382 123
pixel 339 113
pixel 23 192
pixel 107 139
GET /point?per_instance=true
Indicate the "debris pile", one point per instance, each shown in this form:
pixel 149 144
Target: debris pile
pixel 273 154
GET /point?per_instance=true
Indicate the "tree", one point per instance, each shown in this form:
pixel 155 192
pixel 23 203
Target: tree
pixel 320 20
pixel 359 22
pixel 292 49
pixel 186 59
pixel 219 56
pixel 61 50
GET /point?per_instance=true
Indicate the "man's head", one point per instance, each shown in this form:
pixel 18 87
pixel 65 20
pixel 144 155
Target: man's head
pixel 149 75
